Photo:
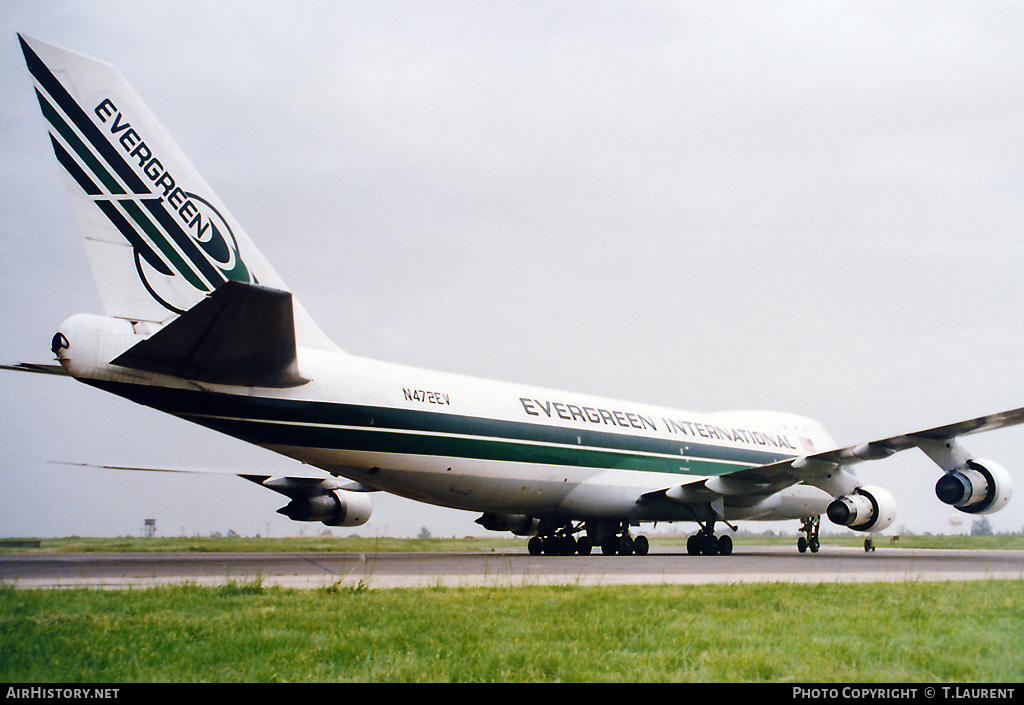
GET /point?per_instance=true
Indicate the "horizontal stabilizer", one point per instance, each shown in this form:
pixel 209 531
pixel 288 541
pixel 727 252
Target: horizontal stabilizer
pixel 241 334
pixel 38 368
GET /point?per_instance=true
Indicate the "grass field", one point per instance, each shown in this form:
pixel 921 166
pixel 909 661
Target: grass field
pixel 771 632
pixel 904 632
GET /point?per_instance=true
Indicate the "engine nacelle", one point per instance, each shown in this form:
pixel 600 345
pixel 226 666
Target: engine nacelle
pixel 518 524
pixel 980 487
pixel 864 509
pixel 335 508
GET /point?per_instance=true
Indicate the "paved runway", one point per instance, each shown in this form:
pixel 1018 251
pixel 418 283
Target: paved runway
pixel 505 567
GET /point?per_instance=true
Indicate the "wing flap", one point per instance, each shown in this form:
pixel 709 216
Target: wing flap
pixel 241 334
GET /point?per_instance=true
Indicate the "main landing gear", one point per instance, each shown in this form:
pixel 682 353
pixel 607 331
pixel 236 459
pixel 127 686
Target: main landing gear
pixel 625 545
pixel 705 543
pixel 612 541
pixel 809 526
pixel 560 544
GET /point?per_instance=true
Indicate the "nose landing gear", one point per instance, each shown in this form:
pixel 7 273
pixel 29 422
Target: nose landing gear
pixel 809 526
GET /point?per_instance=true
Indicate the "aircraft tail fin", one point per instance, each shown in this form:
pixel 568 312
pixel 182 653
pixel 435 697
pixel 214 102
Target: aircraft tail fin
pixel 158 239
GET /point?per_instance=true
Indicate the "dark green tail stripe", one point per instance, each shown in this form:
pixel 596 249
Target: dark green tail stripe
pixel 113 215
pixel 118 165
pixel 84 153
pixel 143 221
pixel 77 172
pixel 186 243
pixel 71 108
pixel 114 187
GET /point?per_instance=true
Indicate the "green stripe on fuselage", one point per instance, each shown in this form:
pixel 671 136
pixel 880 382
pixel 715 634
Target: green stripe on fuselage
pixel 335 426
pixel 479 448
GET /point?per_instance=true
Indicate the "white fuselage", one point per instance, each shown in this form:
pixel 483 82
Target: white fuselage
pixel 470 443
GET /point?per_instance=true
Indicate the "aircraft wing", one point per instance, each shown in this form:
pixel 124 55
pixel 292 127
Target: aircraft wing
pixel 882 448
pixel 289 485
pixel 326 499
pixel 763 480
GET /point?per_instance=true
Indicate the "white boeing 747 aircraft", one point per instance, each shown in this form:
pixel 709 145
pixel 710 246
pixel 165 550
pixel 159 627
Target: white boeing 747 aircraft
pixel 197 324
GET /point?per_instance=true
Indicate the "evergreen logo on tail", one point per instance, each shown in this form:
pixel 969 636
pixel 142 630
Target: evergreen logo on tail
pixel 176 235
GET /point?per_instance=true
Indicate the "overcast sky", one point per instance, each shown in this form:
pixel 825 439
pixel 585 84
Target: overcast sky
pixel 805 206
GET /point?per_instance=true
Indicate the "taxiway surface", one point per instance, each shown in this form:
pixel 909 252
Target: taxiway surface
pixel 505 567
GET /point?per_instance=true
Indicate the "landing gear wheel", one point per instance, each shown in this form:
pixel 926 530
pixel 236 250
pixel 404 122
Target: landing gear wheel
pixel 641 546
pixel 560 542
pixel 725 545
pixel 868 545
pixel 693 545
pixel 709 545
pixel 625 545
pixel 705 543
pixel 809 526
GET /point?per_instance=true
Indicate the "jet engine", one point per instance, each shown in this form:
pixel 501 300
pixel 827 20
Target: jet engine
pixel 864 509
pixel 334 508
pixel 979 487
